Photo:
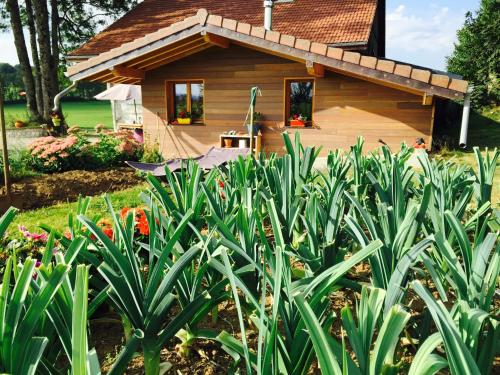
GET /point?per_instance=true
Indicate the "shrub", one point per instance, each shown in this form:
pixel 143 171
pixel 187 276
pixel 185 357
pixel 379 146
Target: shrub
pixel 114 148
pixel 19 163
pixel 50 154
pixel 152 154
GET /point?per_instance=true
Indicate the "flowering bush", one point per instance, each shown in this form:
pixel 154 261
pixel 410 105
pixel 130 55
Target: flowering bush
pixel 28 244
pixel 36 238
pixel 51 154
pixel 112 149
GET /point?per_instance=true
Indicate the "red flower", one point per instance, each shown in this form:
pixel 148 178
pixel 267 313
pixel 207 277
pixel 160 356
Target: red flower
pixel 295 117
pixel 108 231
pixel 143 226
pixel 221 184
pixel 67 235
pixel 222 195
pixel 142 222
pixel 123 213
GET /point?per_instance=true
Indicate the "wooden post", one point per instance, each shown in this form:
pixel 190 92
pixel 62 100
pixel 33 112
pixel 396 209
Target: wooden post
pixel 5 152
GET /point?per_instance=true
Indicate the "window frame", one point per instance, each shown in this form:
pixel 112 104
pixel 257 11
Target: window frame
pixel 170 98
pixel 286 98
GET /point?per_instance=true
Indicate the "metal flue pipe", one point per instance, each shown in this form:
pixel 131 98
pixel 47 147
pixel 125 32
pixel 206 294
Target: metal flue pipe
pixel 464 128
pixel 268 14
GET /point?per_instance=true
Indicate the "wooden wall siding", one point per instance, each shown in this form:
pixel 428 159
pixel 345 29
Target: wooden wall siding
pixel 344 107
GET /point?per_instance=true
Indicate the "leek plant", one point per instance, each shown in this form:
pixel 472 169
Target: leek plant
pixel 372 359
pixel 279 350
pixel 146 299
pixel 377 358
pixel 65 321
pixel 21 313
pixel 398 227
pixel 452 188
pixel 470 336
pixel 485 174
pixel 322 220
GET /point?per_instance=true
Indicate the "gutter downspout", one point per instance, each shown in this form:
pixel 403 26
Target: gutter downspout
pixel 58 97
pixel 268 14
pixel 464 129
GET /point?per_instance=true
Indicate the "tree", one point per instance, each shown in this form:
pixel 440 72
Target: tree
pixel 55 27
pixel 477 54
pixel 30 17
pixel 22 54
pixel 46 59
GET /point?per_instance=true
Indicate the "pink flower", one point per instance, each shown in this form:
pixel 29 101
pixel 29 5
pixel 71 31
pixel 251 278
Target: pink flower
pixel 35 237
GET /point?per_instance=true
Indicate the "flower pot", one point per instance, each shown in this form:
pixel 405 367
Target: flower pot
pixel 256 128
pixel 297 123
pixel 184 121
pixel 228 142
pixel 19 124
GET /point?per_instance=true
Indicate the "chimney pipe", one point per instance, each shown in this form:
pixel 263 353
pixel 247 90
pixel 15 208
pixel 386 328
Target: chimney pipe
pixel 268 14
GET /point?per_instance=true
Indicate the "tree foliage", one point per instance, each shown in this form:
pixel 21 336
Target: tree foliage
pixel 477 55
pixel 54 27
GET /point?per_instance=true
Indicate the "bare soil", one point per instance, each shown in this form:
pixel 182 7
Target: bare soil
pixel 50 189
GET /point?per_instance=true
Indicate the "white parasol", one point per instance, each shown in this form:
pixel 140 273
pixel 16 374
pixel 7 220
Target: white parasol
pixel 122 92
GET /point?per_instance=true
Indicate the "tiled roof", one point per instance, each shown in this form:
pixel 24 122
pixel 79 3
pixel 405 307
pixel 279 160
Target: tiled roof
pixel 325 21
pixel 366 67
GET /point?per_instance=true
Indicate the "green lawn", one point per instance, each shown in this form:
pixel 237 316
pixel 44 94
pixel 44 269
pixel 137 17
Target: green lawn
pixel 83 114
pixel 57 216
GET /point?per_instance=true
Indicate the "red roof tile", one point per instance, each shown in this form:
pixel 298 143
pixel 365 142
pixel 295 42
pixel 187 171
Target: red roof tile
pixel 324 21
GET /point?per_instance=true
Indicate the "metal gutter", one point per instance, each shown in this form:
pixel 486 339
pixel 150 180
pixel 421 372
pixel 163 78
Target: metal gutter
pixel 58 97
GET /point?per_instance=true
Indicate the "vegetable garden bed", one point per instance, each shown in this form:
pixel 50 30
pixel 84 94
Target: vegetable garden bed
pixel 267 266
pixel 49 189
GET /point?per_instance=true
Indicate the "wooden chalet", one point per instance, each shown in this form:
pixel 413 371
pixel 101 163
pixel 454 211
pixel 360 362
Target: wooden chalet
pixel 323 60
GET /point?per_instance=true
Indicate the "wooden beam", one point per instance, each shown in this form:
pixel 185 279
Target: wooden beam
pixel 427 99
pixel 177 56
pixel 79 73
pixel 343 67
pixel 161 53
pixel 126 72
pixel 216 40
pixel 315 70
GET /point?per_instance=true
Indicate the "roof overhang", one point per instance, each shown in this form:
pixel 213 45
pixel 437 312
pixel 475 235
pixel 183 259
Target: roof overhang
pixel 129 62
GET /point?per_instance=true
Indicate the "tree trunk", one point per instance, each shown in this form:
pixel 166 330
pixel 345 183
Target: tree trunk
pixel 54 12
pixel 22 54
pixel 34 56
pixel 43 32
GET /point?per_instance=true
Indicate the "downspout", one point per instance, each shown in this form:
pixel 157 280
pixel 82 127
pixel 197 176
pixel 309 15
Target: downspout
pixel 464 129
pixel 268 14
pixel 58 97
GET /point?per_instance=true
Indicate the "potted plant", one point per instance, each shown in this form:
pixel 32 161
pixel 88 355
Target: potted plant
pixel 257 118
pixel 298 121
pixel 19 124
pixel 184 118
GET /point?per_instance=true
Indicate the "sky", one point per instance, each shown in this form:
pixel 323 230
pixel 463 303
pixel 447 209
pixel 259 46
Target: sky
pixel 420 32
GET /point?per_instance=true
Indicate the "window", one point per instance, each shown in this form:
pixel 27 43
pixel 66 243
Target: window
pixel 299 101
pixel 185 98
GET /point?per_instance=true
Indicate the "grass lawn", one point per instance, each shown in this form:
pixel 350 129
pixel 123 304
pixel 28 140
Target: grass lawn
pixel 83 114
pixel 57 216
